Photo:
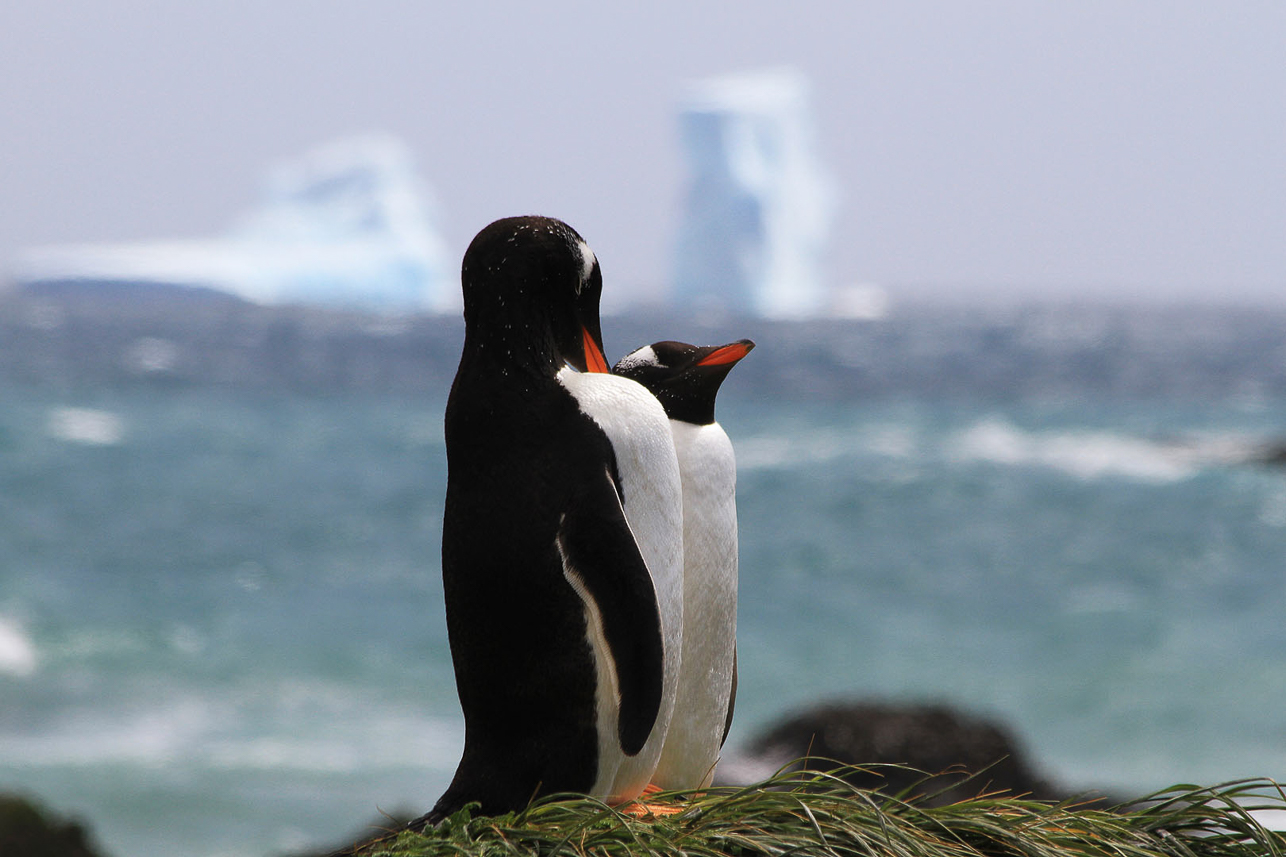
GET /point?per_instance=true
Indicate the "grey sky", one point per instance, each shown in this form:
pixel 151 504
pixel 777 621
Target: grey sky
pixel 1124 147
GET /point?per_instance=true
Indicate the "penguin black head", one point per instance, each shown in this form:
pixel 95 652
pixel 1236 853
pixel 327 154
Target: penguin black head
pixel 684 378
pixel 531 291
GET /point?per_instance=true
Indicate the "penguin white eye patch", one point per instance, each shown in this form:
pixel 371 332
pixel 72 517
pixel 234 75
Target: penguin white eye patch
pixel 644 356
pixel 587 260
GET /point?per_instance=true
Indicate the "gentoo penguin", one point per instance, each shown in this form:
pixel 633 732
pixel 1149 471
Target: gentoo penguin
pixel 561 539
pixel 685 379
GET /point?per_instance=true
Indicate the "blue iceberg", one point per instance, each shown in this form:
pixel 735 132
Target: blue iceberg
pixel 758 205
pixel 346 224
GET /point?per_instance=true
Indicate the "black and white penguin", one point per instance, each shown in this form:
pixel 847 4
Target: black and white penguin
pixel 561 539
pixel 685 379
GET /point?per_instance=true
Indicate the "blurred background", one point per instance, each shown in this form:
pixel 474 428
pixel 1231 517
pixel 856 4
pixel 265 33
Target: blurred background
pixel 1011 440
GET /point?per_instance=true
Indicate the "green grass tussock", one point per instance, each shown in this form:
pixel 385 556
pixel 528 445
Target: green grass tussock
pixel 806 813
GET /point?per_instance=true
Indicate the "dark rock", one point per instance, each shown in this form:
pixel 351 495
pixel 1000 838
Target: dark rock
pixel 31 831
pixel 961 755
pixel 1273 454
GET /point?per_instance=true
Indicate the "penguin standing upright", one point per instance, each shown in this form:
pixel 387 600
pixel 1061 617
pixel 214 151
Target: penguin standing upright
pixel 686 379
pixel 561 538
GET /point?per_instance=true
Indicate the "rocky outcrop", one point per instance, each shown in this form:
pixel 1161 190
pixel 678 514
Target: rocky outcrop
pixel 31 831
pixel 961 755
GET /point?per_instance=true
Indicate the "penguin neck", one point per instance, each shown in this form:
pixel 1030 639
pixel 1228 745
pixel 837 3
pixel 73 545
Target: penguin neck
pixel 709 470
pixel 689 399
pixel 688 409
pixel 508 351
pixel 707 438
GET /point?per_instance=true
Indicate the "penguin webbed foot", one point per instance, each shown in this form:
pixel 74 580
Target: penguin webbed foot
pixel 644 809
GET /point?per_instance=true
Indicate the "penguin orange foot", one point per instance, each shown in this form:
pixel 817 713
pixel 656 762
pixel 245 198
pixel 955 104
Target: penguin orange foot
pixel 643 810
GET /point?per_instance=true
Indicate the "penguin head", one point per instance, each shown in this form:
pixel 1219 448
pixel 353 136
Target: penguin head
pixel 531 292
pixel 684 378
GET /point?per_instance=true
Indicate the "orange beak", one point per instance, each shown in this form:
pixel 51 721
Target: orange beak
pixel 730 353
pixel 594 360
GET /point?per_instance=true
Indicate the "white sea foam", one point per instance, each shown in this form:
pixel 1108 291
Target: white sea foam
pixel 776 451
pixel 17 653
pixel 88 426
pixel 818 446
pixel 383 740
pixel 1084 454
pixel 154 737
pixel 253 732
pixel 151 355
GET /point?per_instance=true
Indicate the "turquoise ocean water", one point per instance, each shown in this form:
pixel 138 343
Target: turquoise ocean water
pixel 221 623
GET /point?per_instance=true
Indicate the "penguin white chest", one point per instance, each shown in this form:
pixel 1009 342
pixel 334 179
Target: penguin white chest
pixel 709 475
pixel 652 493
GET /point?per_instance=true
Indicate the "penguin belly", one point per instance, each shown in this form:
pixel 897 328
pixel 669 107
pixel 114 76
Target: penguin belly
pixel 704 694
pixel 652 497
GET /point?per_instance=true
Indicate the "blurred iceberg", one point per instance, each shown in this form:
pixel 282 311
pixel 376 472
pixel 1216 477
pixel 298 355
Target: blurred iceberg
pixel 759 204
pixel 346 224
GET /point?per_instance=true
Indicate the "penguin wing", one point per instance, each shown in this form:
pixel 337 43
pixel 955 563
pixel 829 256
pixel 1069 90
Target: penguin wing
pixel 732 698
pixel 603 563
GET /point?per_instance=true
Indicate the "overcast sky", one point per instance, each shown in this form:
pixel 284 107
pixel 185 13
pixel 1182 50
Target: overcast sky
pixel 1134 148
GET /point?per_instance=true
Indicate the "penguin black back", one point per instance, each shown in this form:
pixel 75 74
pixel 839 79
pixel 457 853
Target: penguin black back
pixel 532 496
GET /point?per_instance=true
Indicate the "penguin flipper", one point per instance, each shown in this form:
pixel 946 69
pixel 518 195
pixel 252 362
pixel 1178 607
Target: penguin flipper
pixel 732 698
pixel 603 563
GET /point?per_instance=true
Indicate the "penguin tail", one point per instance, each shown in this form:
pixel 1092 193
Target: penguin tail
pixel 429 820
pixel 447 806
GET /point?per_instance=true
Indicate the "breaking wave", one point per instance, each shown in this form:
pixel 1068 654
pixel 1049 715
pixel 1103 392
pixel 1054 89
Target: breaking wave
pixel 17 652
pixel 1084 454
pixel 87 426
pixel 201 731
